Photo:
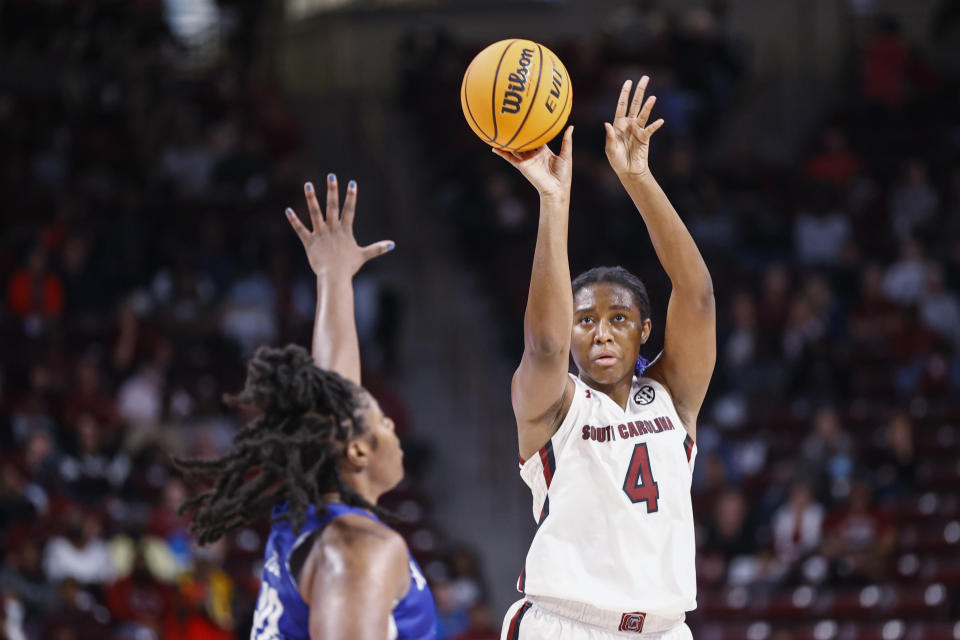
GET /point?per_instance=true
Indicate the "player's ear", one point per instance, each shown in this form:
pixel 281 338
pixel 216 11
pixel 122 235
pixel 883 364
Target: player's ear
pixel 645 330
pixel 357 454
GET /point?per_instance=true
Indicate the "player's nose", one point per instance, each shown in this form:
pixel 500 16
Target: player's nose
pixel 602 333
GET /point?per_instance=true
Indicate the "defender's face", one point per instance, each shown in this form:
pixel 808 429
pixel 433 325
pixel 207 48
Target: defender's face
pixel 607 333
pixel 386 455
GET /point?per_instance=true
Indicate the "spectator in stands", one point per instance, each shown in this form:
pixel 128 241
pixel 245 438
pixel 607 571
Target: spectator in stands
pixel 822 229
pixel 826 455
pixel 858 538
pixel 886 59
pixel 874 317
pixel 797 526
pixel 140 601
pixel 940 308
pixel 905 280
pixel 94 469
pixel 915 203
pixel 731 534
pixel 34 291
pixel 80 554
pixel 79 617
pixel 22 573
pixel 893 462
pixel 833 161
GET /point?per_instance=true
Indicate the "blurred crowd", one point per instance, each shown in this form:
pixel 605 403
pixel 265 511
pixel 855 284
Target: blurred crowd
pixel 143 258
pixel 829 442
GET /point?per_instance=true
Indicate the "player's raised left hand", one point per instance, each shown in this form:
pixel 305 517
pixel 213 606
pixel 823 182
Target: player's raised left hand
pixel 330 246
pixel 628 138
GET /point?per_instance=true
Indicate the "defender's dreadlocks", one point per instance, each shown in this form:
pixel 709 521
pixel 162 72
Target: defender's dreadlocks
pixel 622 277
pixel 289 454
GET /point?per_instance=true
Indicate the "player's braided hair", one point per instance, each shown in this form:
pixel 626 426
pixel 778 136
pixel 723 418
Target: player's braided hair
pixel 289 454
pixel 619 275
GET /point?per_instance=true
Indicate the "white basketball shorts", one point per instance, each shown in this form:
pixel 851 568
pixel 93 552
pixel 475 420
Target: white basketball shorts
pixel 534 618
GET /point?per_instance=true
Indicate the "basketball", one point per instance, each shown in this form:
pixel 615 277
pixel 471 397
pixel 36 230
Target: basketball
pixel 516 95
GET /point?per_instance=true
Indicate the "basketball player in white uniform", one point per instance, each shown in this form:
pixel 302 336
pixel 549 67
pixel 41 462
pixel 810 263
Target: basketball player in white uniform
pixel 609 454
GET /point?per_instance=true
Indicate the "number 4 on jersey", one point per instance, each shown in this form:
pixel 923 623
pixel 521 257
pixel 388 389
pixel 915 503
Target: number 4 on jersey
pixel 639 484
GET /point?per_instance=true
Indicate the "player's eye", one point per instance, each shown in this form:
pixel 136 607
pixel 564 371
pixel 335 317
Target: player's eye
pixel 619 318
pixel 586 320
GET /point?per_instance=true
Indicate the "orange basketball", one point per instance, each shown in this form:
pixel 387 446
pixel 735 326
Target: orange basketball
pixel 516 95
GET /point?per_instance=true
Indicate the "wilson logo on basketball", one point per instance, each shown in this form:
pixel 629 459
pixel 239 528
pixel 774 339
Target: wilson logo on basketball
pixel 632 622
pixel 517 86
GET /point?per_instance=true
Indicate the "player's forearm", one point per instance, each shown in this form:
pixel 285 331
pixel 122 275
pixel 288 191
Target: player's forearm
pixel 674 245
pixel 549 313
pixel 335 343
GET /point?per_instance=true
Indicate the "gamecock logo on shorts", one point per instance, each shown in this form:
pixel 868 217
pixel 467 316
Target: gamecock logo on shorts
pixel 632 622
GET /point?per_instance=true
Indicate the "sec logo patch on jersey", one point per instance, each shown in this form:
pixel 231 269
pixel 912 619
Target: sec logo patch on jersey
pixel 644 395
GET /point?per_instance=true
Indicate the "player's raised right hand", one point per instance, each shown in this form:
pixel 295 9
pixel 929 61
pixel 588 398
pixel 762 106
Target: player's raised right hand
pixel 550 174
pixel 330 246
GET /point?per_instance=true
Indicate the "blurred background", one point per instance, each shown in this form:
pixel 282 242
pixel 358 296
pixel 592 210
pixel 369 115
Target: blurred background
pixel 149 147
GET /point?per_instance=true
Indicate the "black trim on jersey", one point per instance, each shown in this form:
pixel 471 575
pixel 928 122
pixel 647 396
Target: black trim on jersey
pixel 518 619
pixel 688 446
pixel 544 512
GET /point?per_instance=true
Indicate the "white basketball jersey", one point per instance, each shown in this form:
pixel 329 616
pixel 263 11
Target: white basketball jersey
pixel 611 496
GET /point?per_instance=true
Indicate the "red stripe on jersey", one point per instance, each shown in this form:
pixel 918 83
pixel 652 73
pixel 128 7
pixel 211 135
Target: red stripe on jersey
pixel 513 633
pixel 522 580
pixel 688 447
pixel 547 471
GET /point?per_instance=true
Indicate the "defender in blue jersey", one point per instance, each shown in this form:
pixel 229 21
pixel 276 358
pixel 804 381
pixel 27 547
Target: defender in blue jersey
pixel 317 459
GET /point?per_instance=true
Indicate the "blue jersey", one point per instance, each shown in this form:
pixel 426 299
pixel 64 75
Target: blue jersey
pixel 283 615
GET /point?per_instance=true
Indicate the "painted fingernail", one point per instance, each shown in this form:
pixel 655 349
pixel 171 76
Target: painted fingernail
pixel 352 184
pixel 289 211
pixel 391 246
pixel 309 187
pixel 331 177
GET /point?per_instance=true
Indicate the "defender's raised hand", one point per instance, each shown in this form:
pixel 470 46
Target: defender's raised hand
pixel 331 245
pixel 628 138
pixel 550 174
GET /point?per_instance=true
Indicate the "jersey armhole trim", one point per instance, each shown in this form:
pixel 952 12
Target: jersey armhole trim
pixel 286 561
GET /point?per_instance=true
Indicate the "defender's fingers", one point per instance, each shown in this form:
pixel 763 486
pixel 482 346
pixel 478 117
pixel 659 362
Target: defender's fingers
pixel 350 204
pixel 611 136
pixel 371 251
pixel 298 227
pixel 656 124
pixel 333 201
pixel 622 101
pixel 316 215
pixel 638 97
pixel 566 146
pixel 645 112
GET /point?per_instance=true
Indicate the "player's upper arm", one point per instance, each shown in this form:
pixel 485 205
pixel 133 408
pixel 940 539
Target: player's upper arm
pixel 689 352
pixel 541 393
pixel 354 575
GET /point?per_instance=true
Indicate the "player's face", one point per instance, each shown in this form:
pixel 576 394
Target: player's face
pixel 386 456
pixel 607 333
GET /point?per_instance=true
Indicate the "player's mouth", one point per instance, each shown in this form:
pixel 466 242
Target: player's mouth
pixel 605 359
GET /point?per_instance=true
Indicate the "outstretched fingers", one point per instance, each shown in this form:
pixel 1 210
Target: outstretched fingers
pixel 638 97
pixel 333 201
pixel 316 215
pixel 566 146
pixel 302 232
pixel 644 114
pixel 623 100
pixel 350 204
pixel 371 251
